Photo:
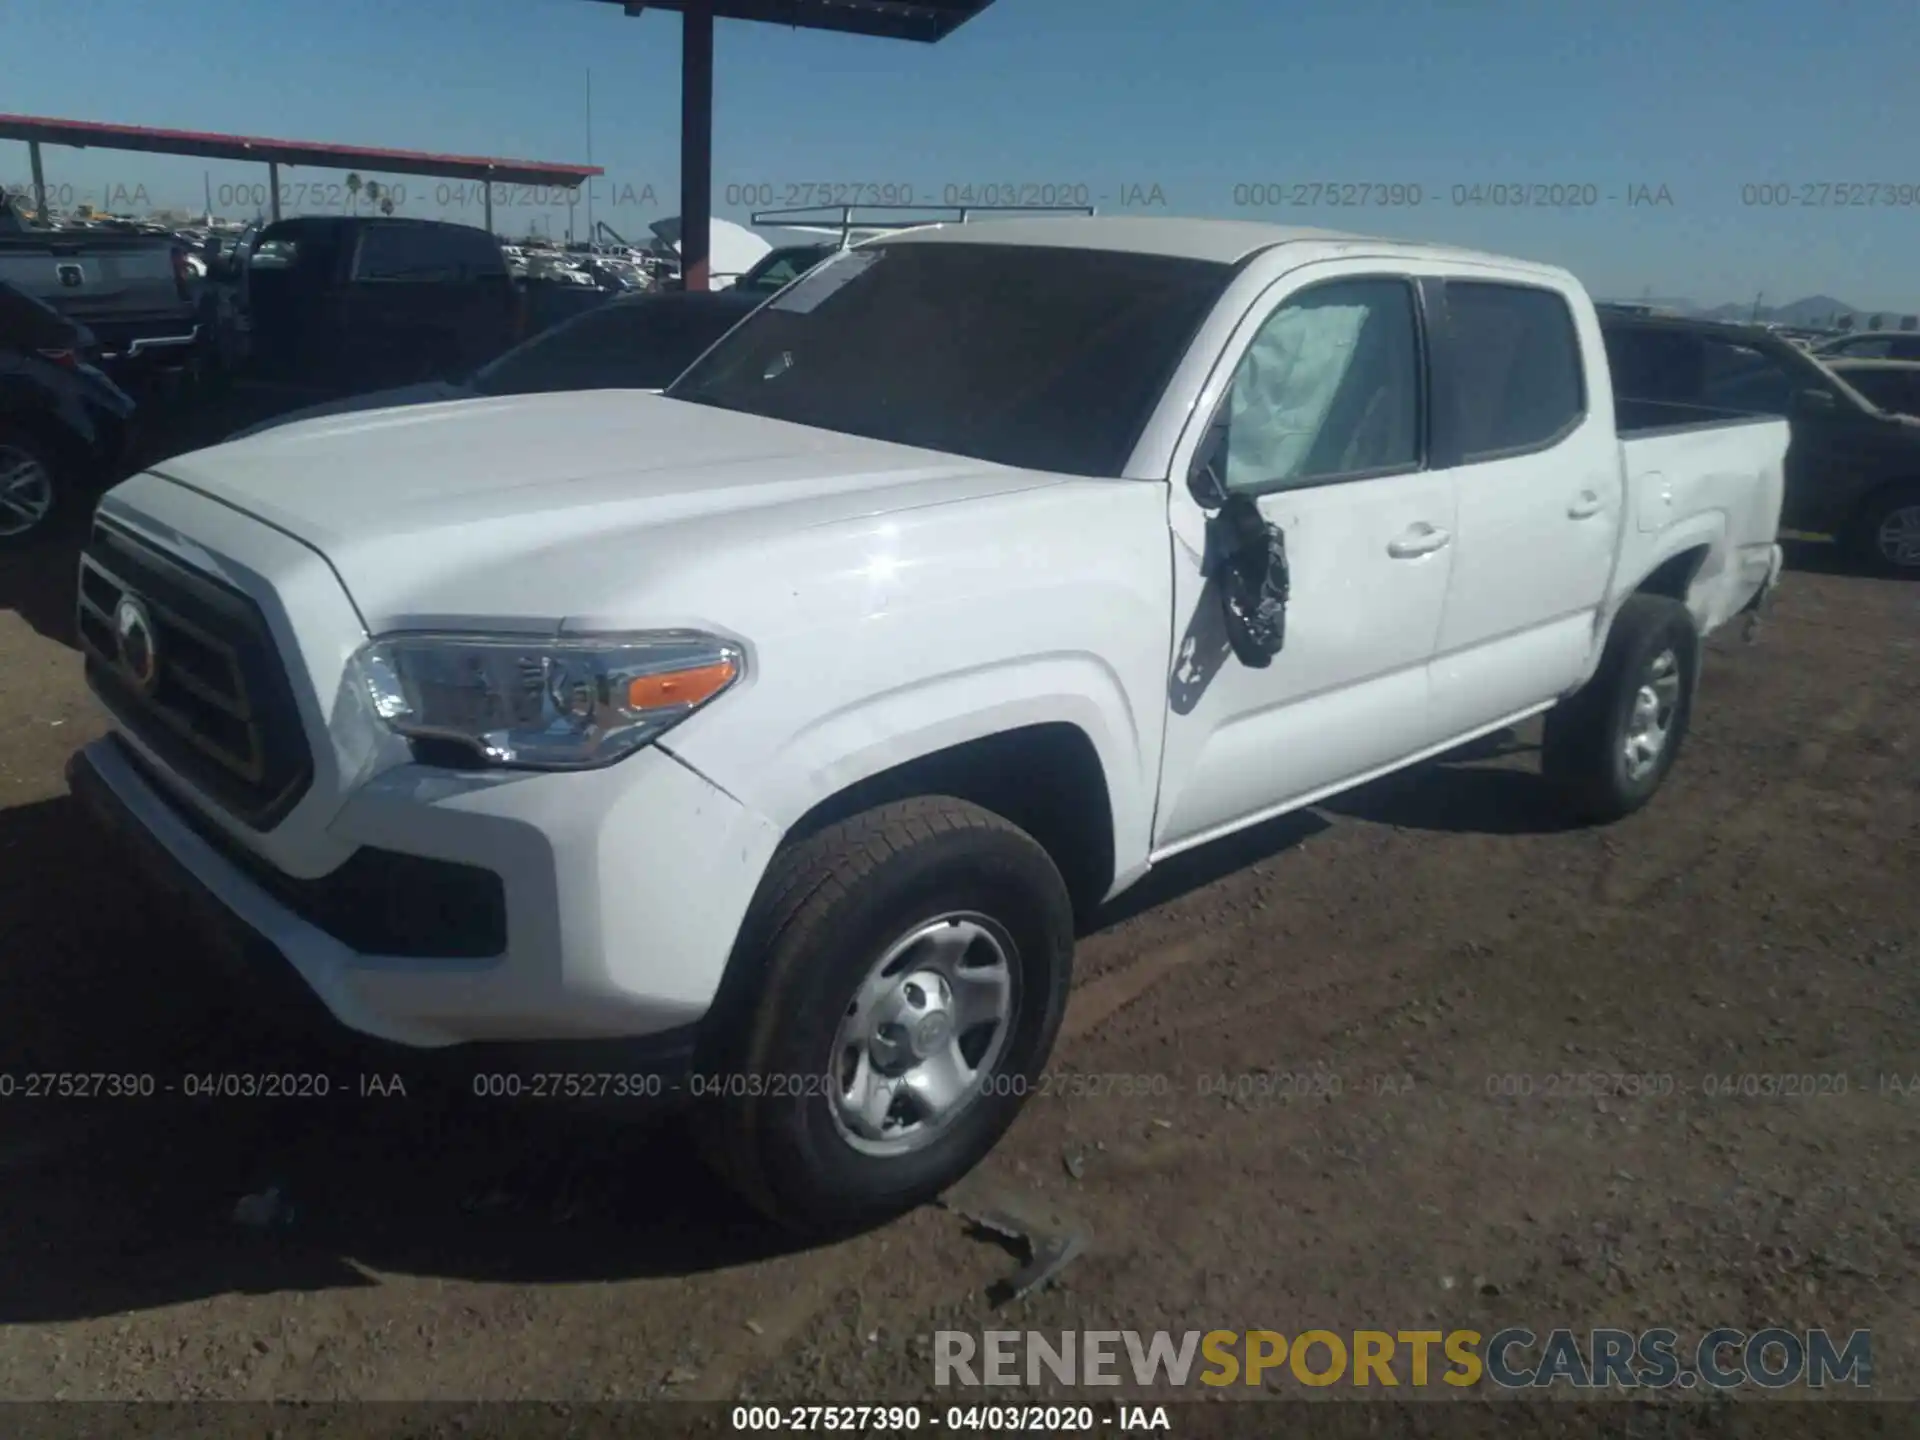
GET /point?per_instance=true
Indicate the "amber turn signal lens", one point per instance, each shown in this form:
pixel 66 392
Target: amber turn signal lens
pixel 679 687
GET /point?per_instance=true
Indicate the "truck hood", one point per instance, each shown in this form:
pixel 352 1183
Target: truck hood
pixel 528 509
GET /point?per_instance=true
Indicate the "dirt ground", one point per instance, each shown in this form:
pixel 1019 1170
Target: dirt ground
pixel 1411 945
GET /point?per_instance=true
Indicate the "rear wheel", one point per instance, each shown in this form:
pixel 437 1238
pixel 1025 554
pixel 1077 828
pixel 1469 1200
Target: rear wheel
pixel 1612 743
pixel 913 965
pixel 1886 534
pixel 32 486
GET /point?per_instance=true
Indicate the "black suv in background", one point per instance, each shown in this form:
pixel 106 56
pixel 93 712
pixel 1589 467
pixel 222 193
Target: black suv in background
pixel 1853 470
pixel 1872 345
pixel 342 304
pixel 64 426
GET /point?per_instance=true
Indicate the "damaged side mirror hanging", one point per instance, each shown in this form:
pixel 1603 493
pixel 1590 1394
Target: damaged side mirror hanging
pixel 1254 581
pixel 1246 556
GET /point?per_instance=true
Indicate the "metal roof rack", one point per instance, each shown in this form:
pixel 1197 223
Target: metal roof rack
pixel 839 220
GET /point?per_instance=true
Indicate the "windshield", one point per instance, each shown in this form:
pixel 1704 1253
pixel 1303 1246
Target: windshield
pixel 1044 358
pixel 637 344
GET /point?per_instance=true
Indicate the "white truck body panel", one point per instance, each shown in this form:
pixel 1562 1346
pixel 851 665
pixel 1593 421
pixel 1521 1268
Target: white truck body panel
pixel 892 602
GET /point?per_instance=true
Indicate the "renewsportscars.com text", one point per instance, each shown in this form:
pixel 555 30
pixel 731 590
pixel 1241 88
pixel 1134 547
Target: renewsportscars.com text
pixel 1513 1359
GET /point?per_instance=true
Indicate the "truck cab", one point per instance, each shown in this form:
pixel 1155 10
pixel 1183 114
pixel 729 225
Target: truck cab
pixel 342 303
pixel 782 727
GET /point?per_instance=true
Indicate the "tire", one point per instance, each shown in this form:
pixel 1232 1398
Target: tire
pixel 1879 541
pixel 33 487
pixel 1651 664
pixel 833 907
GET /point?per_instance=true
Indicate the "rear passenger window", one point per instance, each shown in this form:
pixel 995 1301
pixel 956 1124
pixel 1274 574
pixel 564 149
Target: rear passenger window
pixel 1517 378
pixel 425 253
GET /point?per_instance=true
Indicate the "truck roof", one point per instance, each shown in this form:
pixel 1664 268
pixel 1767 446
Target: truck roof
pixel 1224 241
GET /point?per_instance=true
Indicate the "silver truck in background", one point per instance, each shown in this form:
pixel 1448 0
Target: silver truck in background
pixel 136 293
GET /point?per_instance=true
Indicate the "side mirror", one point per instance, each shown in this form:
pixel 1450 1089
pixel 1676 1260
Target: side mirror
pixel 1255 581
pixel 1206 477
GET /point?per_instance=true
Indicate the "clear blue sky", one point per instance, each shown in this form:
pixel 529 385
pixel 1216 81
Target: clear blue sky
pixel 1194 96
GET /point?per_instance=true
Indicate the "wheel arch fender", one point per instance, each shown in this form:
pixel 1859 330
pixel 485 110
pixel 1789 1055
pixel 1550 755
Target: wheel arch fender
pixel 836 751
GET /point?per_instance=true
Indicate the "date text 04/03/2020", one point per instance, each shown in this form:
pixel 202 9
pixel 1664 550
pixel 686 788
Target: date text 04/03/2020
pixel 198 1085
pixel 960 1419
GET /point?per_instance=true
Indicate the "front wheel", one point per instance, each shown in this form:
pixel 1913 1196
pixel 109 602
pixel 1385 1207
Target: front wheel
pixel 32 487
pixel 912 969
pixel 1613 742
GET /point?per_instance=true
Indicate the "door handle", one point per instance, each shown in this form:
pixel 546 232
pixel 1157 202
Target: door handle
pixel 1585 505
pixel 1422 539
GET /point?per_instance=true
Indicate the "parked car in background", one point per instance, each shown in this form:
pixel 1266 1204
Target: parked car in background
pixel 776 730
pixel 1893 385
pixel 136 293
pixel 64 425
pixel 781 267
pixel 1872 345
pixel 637 343
pixel 350 303
pixel 1853 472
pixel 226 326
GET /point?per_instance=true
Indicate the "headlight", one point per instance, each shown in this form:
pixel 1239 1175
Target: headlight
pixel 544 702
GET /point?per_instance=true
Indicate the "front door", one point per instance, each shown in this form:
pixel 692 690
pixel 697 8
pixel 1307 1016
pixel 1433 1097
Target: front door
pixel 1325 418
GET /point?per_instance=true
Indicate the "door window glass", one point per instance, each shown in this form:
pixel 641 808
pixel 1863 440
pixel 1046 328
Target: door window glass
pixel 1329 387
pixel 1517 367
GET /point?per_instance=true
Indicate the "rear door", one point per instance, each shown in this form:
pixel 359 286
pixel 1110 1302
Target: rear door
pixel 1539 487
pixel 1325 412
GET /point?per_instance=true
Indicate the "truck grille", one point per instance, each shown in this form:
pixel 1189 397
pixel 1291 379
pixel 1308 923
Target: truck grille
pixel 188 664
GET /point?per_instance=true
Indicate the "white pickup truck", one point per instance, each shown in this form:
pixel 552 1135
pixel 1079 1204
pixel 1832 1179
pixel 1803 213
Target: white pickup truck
pixel 779 727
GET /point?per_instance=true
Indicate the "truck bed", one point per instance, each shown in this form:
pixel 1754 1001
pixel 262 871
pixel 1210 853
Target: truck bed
pixel 1712 476
pixel 1642 418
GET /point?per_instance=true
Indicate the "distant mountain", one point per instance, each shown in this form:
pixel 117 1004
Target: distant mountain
pixel 1814 310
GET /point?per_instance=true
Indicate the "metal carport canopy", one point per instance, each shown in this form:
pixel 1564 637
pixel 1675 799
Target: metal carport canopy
pixel 38 130
pixel 927 21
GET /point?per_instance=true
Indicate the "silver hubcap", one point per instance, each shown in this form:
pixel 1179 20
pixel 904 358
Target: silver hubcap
pixel 1899 537
pixel 26 491
pixel 923 1033
pixel 1652 718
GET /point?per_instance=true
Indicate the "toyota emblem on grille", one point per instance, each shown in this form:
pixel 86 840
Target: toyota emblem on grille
pixel 133 629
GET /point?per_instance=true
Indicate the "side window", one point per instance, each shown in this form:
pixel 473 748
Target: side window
pixel 1329 387
pixel 776 275
pixel 1516 360
pixel 405 252
pixel 477 252
pixel 1740 377
pixel 1904 347
pixel 1882 387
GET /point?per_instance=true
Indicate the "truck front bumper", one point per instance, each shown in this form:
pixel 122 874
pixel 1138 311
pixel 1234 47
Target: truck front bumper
pixel 622 892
